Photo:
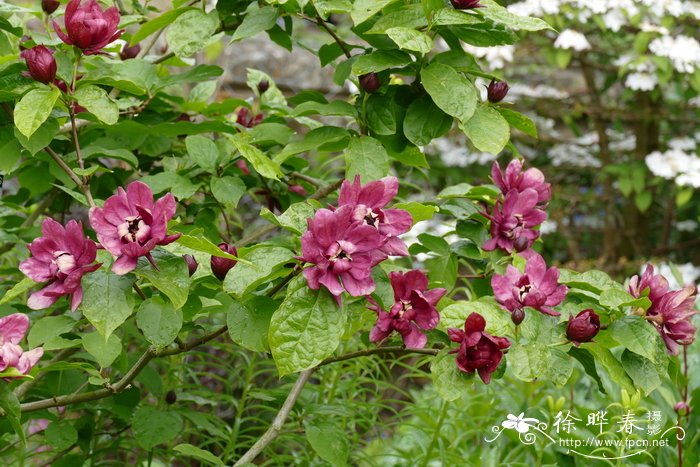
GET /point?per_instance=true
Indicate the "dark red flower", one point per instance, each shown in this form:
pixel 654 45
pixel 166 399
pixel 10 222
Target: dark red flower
pixel 263 86
pixel 466 4
pixel 538 288
pixel 221 266
pixel 342 252
pixel 583 328
pixel 413 310
pixel 130 52
pixel 247 119
pixel 41 64
pixel 478 350
pixel 49 6
pixel 192 264
pixel 515 178
pixel 88 27
pixel 497 91
pixel 513 218
pixel 61 257
pixel 370 82
pixel 131 224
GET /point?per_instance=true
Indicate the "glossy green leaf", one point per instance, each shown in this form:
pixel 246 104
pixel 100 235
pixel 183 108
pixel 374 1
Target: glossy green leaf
pixel 107 300
pixel 487 130
pixel 34 108
pixel 98 103
pixel 159 322
pixel 366 157
pixel 450 90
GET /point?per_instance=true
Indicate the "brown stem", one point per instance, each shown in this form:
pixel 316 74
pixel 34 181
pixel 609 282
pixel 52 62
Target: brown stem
pixel 321 23
pixel 80 184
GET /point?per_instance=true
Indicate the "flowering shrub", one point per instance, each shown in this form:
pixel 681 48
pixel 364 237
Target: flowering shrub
pixel 195 245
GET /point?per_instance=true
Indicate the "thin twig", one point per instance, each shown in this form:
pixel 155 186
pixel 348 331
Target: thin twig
pixel 278 422
pixel 81 185
pixel 22 389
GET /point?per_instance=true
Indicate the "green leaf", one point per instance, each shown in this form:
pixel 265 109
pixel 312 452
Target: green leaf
pixel 305 329
pixel 616 298
pixel 605 359
pixel 333 108
pixel 190 32
pixel 560 368
pixel 264 263
pixel 41 138
pixel 107 300
pixel 202 151
pixel 498 322
pixel 157 24
pixel 425 121
pixel 261 163
pixel 408 16
pixel 636 334
pixel 410 39
pixel 34 108
pixel 256 21
pixel 450 90
pixel 643 200
pixel 198 453
pixel 366 157
pixel 518 121
pixel 172 277
pixel 179 185
pixel 47 332
pixel 487 130
pixel 61 434
pixel 449 381
pixel 529 362
pixel 362 10
pixel 381 114
pixel 591 281
pixel 228 190
pixel 646 374
pixel 98 103
pixel 18 289
pixel 419 212
pixel 153 427
pixel 203 245
pixel 159 322
pixel 10 405
pixel 497 13
pixel 585 358
pixel 380 60
pixel 451 17
pixel 293 219
pixel 249 323
pixel 104 352
pixel 330 442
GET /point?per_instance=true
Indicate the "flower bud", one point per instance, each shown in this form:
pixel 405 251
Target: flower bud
pixel 517 316
pixel 263 86
pixel 130 52
pixel 583 328
pixel 465 4
pixel 192 264
pixel 170 397
pixel 521 244
pixel 221 266
pixel 49 6
pixel 243 166
pixel 370 82
pixel 497 91
pixel 88 26
pixel 682 408
pixel 298 189
pixel 41 64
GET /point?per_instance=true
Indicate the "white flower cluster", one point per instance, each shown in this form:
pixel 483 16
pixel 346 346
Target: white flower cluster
pixel 686 226
pixel 496 57
pixel 582 151
pixel 643 73
pixel 678 163
pixel 570 39
pixel 682 51
pixel 455 154
pixel 616 10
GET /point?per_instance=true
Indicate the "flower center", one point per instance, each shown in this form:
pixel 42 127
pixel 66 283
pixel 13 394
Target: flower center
pixel 64 261
pixel 134 229
pixel 405 306
pixel 524 290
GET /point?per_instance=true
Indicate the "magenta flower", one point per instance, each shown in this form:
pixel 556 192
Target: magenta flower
pixel 478 350
pixel 41 64
pixel 368 203
pixel 583 327
pixel 88 27
pixel 342 252
pixel 413 310
pixel 515 179
pixel 513 221
pixel 670 312
pixel 466 4
pixel 60 257
pixel 130 225
pixel 247 119
pixel 538 288
pixel 12 331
